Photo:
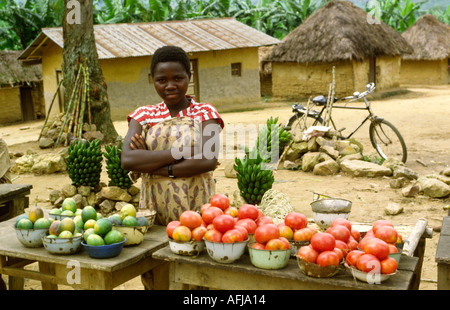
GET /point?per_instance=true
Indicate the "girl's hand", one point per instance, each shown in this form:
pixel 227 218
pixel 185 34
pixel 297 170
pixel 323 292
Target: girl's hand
pixel 138 143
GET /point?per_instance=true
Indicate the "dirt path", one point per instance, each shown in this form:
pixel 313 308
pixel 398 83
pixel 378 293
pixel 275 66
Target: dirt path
pixel 421 116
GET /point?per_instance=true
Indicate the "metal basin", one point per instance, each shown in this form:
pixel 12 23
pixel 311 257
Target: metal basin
pixel 63 246
pixel 325 211
pixel 31 238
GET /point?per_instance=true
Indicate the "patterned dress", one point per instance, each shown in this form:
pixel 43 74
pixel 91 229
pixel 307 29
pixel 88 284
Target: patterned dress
pixel 169 197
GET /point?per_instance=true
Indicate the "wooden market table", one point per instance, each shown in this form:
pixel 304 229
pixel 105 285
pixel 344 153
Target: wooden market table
pixel 93 273
pixel 443 256
pixel 13 200
pixel 242 275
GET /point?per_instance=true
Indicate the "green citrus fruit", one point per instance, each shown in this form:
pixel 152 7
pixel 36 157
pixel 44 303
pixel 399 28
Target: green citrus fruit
pixel 24 224
pixel 114 236
pixel 95 240
pixel 129 221
pixel 78 222
pixel 115 219
pixel 67 224
pixel 55 211
pixel 88 213
pixel 67 212
pixel 69 204
pixel 42 223
pixel 89 224
pixel 22 216
pixel 87 233
pixel 102 227
pixel 65 234
pixel 127 210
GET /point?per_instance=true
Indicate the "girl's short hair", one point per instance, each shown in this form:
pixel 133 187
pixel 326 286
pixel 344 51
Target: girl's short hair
pixel 170 53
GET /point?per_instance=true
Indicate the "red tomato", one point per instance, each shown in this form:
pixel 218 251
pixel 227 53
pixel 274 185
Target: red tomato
pixel 368 263
pixel 190 219
pixel 363 241
pixel 231 211
pixel 232 235
pixel 286 242
pixel 342 246
pixel 204 207
pixel 388 265
pixel 213 235
pixel 275 244
pixel 380 223
pixel 243 231
pixel 296 220
pixel 171 226
pixel 339 232
pixel 198 233
pixel 308 254
pixel 249 224
pixel 387 234
pixel 352 244
pixel 392 248
pixel 223 222
pixel 339 253
pixel 327 258
pixel 182 233
pixel 376 247
pixel 303 234
pixel 285 231
pixel 210 213
pixel 248 211
pixel 323 242
pixel 258 246
pixel 355 234
pixel 343 222
pixel 220 201
pixel 352 257
pixel 264 220
pixel 266 232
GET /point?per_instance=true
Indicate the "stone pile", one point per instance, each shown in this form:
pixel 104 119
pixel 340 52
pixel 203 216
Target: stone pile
pixel 107 199
pixel 39 164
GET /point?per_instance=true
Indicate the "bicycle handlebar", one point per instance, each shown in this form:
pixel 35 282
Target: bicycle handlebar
pixel 356 95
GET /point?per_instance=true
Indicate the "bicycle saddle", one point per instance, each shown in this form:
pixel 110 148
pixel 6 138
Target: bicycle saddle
pixel 322 100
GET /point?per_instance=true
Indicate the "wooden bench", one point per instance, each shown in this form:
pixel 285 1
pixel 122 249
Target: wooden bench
pixel 13 200
pixel 442 257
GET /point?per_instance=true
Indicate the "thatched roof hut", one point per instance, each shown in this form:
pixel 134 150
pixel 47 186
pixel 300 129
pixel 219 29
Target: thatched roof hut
pixel 342 35
pixel 429 38
pixel 13 72
pixel 339 31
pixel 429 63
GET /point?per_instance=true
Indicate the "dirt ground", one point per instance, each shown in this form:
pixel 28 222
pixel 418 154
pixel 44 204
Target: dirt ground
pixel 420 114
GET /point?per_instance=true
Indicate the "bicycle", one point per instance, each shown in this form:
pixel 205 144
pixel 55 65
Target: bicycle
pixel 384 137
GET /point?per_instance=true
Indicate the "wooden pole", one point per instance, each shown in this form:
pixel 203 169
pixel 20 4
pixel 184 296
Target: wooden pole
pixel 83 104
pixel 414 236
pixel 49 109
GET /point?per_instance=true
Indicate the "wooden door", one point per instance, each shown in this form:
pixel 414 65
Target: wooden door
pixel 372 70
pixel 26 103
pixel 194 89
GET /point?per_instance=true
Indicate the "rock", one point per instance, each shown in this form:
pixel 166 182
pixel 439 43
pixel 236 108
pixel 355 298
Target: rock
pixel 341 145
pixel 133 190
pixel 69 190
pixel 330 151
pixel 115 193
pixel 54 195
pixel 287 164
pixel 48 164
pixel 309 160
pixel 348 150
pixel 360 168
pixel 92 199
pixel 18 154
pixel 107 206
pixel 79 200
pixel 119 204
pixel 312 145
pixel 92 135
pixel 432 187
pixel 228 170
pixel 296 150
pixel 410 190
pixel 392 163
pixel 24 164
pixel 84 190
pixel 357 156
pixel 445 172
pixel 393 209
pixel 398 182
pixel 402 171
pixel 58 202
pixel 45 143
pixel 238 200
pixel 328 167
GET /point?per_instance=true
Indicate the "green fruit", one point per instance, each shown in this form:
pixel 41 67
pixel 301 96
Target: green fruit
pixel 88 213
pixel 89 224
pixel 95 240
pixel 99 216
pixel 102 227
pixel 87 233
pixel 55 211
pixel 129 221
pixel 142 221
pixel 127 210
pixel 22 216
pixel 24 224
pixel 35 214
pixel 69 204
pixel 115 219
pixel 42 223
pixel 67 224
pixel 67 212
pixel 54 228
pixel 114 236
pixel 65 234
pixel 78 222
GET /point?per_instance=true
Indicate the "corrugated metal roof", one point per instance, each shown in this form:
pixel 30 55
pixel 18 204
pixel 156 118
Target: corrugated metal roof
pixel 142 39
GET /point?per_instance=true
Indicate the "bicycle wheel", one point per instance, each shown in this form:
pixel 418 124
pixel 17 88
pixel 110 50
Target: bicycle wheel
pixel 297 122
pixel 387 140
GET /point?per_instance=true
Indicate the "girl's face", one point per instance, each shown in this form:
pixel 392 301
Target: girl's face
pixel 171 82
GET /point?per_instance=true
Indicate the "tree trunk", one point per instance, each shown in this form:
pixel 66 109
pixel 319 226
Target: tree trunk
pixel 79 46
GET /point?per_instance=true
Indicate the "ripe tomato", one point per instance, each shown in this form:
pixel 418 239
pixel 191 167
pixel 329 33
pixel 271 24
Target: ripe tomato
pixel 220 201
pixel 223 222
pixel 266 232
pixel 388 265
pixel 296 220
pixel 327 258
pixel 323 242
pixel 352 257
pixel 339 232
pixel 368 263
pixel 248 211
pixel 363 241
pixel 198 233
pixel 243 231
pixel 171 226
pixel 258 246
pixel 210 213
pixel 182 233
pixel 343 222
pixel 380 223
pixel 352 244
pixel 249 224
pixel 287 244
pixel 387 234
pixel 339 253
pixel 355 234
pixel 285 231
pixel 303 234
pixel 264 220
pixel 232 235
pixel 342 246
pixel 275 244
pixel 231 211
pixel 307 253
pixel 213 235
pixel 204 207
pixel 392 248
pixel 190 219
pixel 377 247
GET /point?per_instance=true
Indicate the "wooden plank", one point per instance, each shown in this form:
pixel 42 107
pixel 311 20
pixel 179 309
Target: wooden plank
pixel 443 250
pixel 445 229
pixel 10 191
pixel 443 276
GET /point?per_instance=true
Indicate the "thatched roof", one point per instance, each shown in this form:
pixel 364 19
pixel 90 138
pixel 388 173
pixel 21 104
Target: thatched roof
pixel 13 72
pixel 339 31
pixel 430 39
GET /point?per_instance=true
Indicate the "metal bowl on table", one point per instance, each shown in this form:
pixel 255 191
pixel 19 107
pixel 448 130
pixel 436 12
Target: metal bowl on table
pixel 58 245
pixel 325 211
pixel 225 252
